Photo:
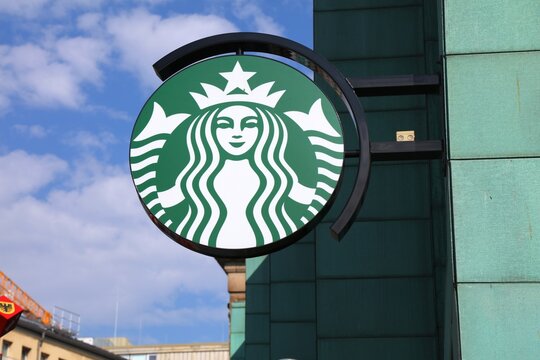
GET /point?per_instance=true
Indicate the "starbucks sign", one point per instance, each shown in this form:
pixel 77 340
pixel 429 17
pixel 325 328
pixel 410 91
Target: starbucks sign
pixel 237 155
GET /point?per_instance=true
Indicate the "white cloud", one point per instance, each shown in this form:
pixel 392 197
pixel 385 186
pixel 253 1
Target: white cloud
pixel 184 315
pixel 62 7
pixel 35 8
pixel 23 174
pixel 25 8
pixel 142 38
pixel 88 140
pixel 89 21
pixel 55 71
pixel 51 75
pixel 248 10
pixel 83 56
pixel 109 112
pixel 32 131
pixel 89 242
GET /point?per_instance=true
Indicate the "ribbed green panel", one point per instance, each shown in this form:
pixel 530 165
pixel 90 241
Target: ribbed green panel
pixel 393 120
pixel 257 329
pixel 261 294
pixel 376 288
pixel 499 321
pixel 402 36
pixel 296 263
pixel 257 323
pixel 379 348
pixel 294 341
pixel 497 219
pixel 375 308
pixel 293 301
pixel 381 67
pixel 333 5
pixel 474 26
pixel 375 249
pixel 372 296
pixel 257 352
pixel 493 105
pixel 396 121
pixel 396 191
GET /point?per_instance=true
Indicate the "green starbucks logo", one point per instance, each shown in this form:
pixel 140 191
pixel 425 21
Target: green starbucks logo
pixel 236 152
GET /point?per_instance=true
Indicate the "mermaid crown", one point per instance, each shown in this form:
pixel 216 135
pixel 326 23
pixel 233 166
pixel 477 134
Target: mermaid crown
pixel 237 79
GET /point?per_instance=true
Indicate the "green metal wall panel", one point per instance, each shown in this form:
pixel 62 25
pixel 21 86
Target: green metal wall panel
pixel 493 83
pixel 497 219
pixel 294 341
pixel 491 25
pixel 383 125
pixel 257 311
pixel 333 5
pixel 403 38
pixel 379 348
pixel 382 67
pixel 500 321
pixel 380 282
pixel 493 105
pixel 375 307
pixel 293 301
pixel 376 249
pixel 237 346
pixel 237 331
pixel 396 191
pixel 261 292
pixel 238 317
pixel 257 352
pixel 257 329
pixel 393 103
pixel 258 270
pixel 296 263
pixel 395 121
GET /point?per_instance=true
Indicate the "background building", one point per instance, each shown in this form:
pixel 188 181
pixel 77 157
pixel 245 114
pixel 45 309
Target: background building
pixel 202 351
pixel 31 340
pixel 443 260
pixel 44 336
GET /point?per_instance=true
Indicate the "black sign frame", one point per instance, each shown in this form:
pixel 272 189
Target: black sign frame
pixel 239 43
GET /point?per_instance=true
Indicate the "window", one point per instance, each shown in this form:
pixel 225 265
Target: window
pixel 5 348
pixel 25 353
pixel 44 356
pixel 137 357
pixel 152 357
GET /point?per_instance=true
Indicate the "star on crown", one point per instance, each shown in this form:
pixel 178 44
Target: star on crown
pixel 237 79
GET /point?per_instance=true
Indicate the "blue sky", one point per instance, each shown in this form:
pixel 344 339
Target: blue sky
pixel 73 76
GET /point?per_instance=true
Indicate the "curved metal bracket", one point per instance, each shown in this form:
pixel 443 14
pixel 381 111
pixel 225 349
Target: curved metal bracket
pixel 270 44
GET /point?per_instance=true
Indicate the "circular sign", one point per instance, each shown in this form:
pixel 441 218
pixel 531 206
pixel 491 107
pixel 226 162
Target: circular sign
pixel 237 156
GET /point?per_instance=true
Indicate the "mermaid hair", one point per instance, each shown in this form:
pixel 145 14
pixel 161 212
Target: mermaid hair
pixel 266 212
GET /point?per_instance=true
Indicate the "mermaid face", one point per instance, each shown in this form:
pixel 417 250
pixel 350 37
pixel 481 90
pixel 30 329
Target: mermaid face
pixel 237 129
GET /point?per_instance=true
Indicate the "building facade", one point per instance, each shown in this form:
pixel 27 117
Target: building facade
pixel 33 341
pixel 492 69
pixel 443 260
pixel 201 351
